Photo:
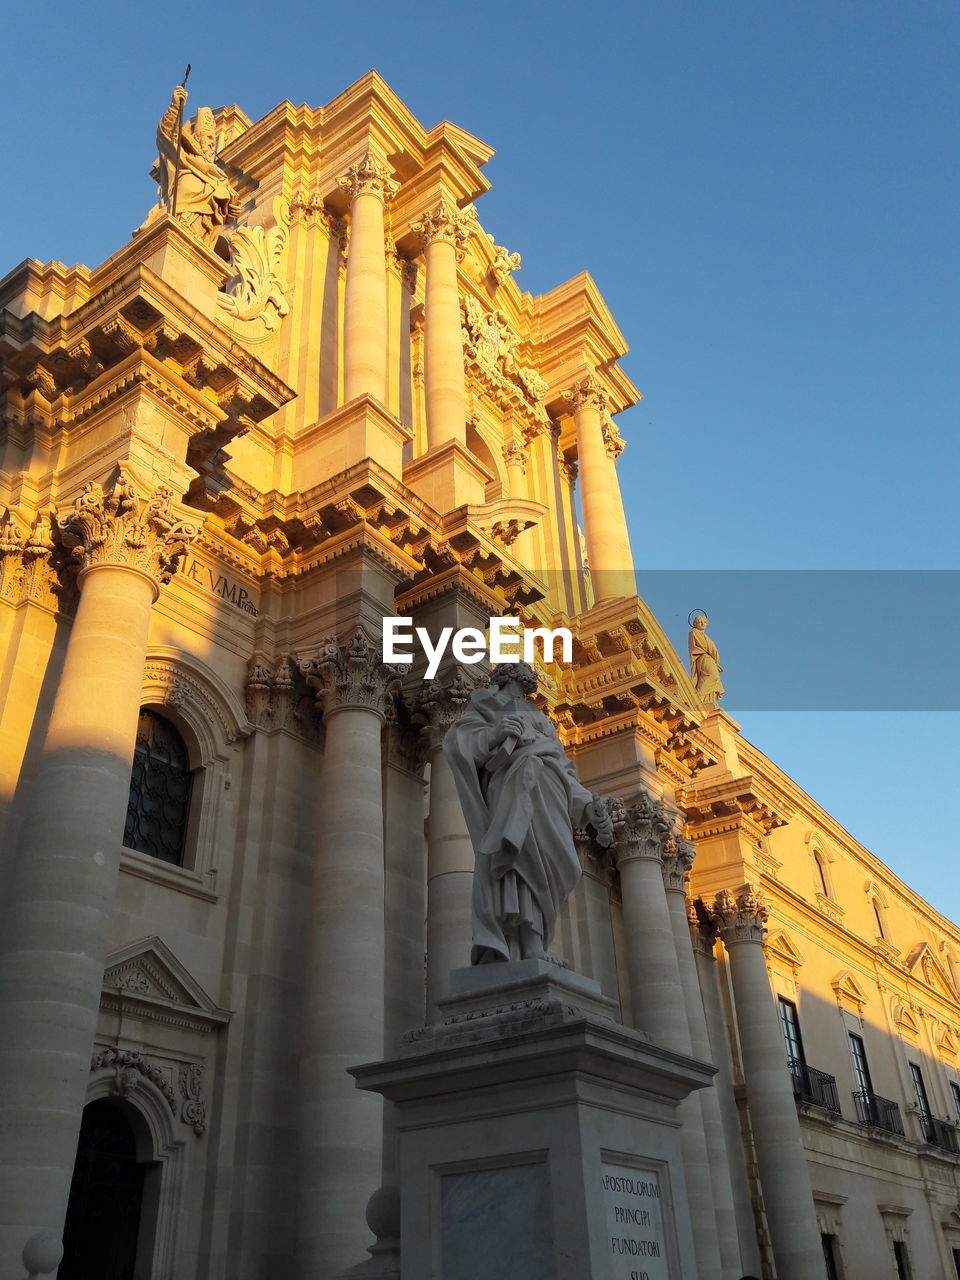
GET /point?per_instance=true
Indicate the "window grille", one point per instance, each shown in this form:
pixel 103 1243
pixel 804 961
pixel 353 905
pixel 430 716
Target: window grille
pixel 160 787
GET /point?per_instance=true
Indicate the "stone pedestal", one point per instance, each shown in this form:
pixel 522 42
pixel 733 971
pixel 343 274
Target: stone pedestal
pixel 538 1138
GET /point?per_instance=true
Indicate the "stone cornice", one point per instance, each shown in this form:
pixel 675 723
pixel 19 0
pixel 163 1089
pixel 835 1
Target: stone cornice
pixel 730 804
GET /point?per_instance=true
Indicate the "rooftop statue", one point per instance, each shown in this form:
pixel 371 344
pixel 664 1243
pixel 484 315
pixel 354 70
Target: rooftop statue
pixel 705 663
pixel 521 799
pixel 193 186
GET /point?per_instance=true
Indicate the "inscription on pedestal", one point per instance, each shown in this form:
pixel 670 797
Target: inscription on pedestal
pixel 635 1219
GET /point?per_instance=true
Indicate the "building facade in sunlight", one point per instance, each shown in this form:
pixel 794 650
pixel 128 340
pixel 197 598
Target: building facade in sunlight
pixel 309 393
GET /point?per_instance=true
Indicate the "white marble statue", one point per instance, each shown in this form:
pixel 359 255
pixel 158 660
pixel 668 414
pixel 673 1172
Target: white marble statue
pixel 521 799
pixel 705 662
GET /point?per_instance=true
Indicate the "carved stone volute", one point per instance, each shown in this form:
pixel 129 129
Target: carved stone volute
pixel 640 830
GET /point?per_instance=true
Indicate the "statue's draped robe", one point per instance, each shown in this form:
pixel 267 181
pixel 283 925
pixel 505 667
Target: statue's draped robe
pixel 705 665
pixel 520 808
pixel 202 186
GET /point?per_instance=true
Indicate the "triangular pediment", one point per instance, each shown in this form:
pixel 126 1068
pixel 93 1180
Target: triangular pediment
pixel 148 976
pixel 848 990
pixel 780 945
pixel 923 964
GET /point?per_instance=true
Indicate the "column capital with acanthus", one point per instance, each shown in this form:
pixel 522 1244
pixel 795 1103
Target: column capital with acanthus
pixel 640 830
pixel 437 706
pixel 353 676
pixel 741 917
pixel 678 855
pixel 588 393
pixel 118 527
pixel 369 176
pixel 446 224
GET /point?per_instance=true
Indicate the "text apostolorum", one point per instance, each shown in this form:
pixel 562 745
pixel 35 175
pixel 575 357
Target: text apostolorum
pixel 507 641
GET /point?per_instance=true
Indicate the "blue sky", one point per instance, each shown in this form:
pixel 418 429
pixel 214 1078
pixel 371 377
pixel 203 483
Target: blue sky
pixel 766 192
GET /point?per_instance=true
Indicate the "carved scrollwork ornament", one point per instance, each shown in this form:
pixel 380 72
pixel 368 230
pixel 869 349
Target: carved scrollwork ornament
pixel 115 526
pixel 741 918
pixel 587 393
pixel 370 176
pixel 194 1111
pixel 612 440
pixel 352 675
pixel 257 296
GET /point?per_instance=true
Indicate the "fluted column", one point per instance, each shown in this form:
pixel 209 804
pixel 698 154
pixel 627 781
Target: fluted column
pixel 56 928
pixel 605 526
pixel 678 858
pixel 642 832
pixel 781 1161
pixel 365 294
pixel 343 1017
pixel 449 849
pixel 443 231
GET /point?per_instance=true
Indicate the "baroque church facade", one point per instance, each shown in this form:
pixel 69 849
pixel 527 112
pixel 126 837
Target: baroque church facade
pixel 309 394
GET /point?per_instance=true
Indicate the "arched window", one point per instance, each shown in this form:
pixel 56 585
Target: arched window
pixel 821 873
pixel 160 787
pixel 878 916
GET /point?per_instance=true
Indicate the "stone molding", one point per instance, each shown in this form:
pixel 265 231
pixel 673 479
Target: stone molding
pixel 116 527
pixel 351 676
pixel 131 1069
pixel 369 176
pixel 741 918
pixel 587 393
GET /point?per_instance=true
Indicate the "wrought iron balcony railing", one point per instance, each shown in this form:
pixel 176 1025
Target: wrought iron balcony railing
pixel 939 1133
pixel 811 1085
pixel 878 1112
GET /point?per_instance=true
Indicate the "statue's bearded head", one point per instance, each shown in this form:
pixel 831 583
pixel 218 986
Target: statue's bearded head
pixel 205 132
pixel 521 672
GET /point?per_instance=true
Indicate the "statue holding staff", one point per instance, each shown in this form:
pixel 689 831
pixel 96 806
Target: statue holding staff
pixel 521 799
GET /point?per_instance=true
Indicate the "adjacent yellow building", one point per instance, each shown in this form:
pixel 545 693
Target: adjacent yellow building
pixel 308 394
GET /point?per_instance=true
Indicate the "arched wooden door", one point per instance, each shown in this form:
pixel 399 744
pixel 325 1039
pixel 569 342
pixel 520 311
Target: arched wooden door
pixel 106 1195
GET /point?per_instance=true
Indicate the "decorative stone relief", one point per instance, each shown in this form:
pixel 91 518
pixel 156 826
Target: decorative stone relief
pixel 277 697
pixel 587 393
pixel 352 675
pixel 257 296
pixel 514 455
pixel 194 1110
pixel 534 387
pixel 370 176
pixel 742 918
pixel 488 338
pixel 116 527
pixel 130 1070
pixel 504 263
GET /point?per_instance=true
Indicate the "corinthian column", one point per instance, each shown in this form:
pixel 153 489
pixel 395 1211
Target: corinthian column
pixel 443 231
pixel 678 857
pixel 605 526
pixel 449 850
pixel 781 1162
pixel 369 186
pixel 56 929
pixel 642 833
pixel 341 1127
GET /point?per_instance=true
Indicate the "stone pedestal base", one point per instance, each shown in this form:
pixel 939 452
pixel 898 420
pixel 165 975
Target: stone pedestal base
pixel 538 1137
pixel 446 477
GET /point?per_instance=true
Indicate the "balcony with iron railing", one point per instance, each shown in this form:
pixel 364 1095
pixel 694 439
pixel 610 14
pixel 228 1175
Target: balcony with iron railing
pixel 940 1133
pixel 811 1085
pixel 877 1112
